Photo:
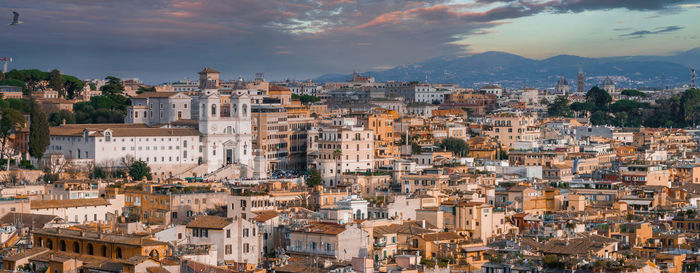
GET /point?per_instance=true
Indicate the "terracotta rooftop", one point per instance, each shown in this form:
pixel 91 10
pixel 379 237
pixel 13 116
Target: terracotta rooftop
pixel 275 87
pixel 27 219
pixel 136 131
pixel 412 228
pixel 51 204
pixel 322 228
pixel 131 240
pixel 442 236
pixel 265 215
pixel 26 254
pixel 210 222
pixel 146 95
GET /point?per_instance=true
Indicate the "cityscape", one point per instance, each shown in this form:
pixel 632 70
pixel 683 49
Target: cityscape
pixel 349 136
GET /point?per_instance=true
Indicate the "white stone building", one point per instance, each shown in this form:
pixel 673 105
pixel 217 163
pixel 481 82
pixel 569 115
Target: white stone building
pixel 337 149
pixel 236 239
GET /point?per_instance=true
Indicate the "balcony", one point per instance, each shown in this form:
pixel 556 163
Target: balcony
pixel 308 250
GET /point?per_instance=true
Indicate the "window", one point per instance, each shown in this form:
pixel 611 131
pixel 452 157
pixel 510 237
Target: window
pixel 108 136
pixel 228 249
pixel 213 110
pixel 245 232
pixel 228 233
pixel 246 248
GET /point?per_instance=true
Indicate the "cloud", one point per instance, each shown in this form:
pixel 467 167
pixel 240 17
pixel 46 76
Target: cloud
pixel 286 38
pixel 658 30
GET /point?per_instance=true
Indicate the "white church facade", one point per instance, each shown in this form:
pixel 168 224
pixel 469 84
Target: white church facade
pixel 218 135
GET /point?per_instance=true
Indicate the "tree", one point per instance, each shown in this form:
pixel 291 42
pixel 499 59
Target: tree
pixel 559 107
pixel 599 97
pixel 139 169
pixel 10 121
pixel 39 135
pixel 72 86
pixel 143 89
pixel 305 98
pixel 690 103
pixel 314 178
pixel 457 146
pixel 56 82
pixel 2 76
pixel 582 106
pixel 600 118
pixel 633 93
pixel 57 118
pixel 113 87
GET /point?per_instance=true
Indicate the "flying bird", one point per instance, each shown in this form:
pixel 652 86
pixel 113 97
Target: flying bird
pixel 15 19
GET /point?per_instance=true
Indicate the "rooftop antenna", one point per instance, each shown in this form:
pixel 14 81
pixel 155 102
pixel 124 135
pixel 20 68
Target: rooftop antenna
pixel 9 59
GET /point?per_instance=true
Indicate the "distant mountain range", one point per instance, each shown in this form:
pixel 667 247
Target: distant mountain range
pixel 513 71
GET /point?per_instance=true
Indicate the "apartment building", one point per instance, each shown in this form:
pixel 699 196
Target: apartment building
pixel 340 148
pixel 237 240
pixel 479 220
pixel 330 240
pixel 152 108
pixel 508 128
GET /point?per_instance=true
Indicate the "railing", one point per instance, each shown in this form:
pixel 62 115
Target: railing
pixel 309 250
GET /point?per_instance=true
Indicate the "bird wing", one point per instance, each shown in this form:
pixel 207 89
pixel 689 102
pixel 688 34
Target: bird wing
pixel 16 18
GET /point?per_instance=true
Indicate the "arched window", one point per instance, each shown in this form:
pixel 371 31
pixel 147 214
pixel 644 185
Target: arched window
pixel 108 136
pixel 76 247
pixel 91 250
pixel 213 110
pixel 245 110
pixel 40 242
pixel 63 245
pixel 49 244
pixel 119 252
pixel 104 251
pixel 154 254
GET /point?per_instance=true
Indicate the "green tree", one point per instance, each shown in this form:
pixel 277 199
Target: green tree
pixel 559 107
pixel 98 173
pixel 582 106
pixel 72 86
pixel 39 135
pixel 140 169
pixel 690 105
pixel 600 118
pixel 143 89
pixel 633 93
pixel 314 178
pixel 305 98
pixel 56 82
pixel 599 97
pixel 2 76
pixel 11 120
pixel 113 87
pixel 458 146
pixel 57 118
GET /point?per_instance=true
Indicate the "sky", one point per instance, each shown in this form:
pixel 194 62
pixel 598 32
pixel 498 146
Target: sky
pixel 167 40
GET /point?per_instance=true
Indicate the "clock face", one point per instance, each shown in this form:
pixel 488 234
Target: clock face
pixel 213 128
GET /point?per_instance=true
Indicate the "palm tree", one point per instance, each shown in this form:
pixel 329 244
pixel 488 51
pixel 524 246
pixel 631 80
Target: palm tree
pixel 303 200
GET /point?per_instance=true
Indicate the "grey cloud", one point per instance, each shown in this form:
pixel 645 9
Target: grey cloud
pixel 658 30
pixel 162 40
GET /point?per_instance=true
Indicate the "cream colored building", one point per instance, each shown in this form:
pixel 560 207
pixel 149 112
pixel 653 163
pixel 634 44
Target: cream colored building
pixel 508 128
pixel 340 148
